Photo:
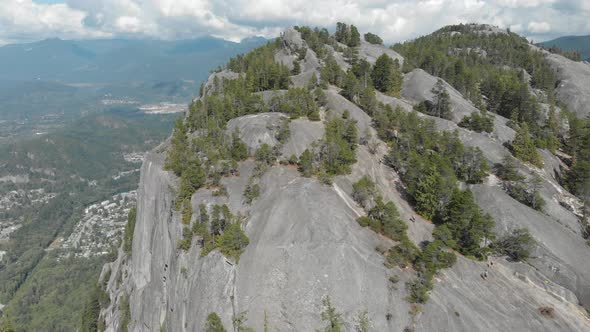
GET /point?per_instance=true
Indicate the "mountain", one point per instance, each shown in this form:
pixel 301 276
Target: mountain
pixel 571 43
pixel 48 84
pixel 107 61
pixel 420 190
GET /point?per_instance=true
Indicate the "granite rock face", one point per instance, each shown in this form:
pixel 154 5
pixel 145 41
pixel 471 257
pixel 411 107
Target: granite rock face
pixel 305 243
pixel 418 86
pixel 573 87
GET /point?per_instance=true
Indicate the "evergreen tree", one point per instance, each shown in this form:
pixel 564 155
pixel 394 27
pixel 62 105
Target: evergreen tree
pixel 578 179
pixel 426 195
pixel 239 322
pixel 203 215
pixel 535 199
pixel 362 70
pixel 364 191
pixel 386 75
pixel 265 154
pixel 176 157
pixel 129 228
pixel 331 72
pixel 342 33
pixel 517 246
pixel 7 325
pixel 338 148
pixel 239 150
pixel 355 37
pixel 347 35
pixel 352 88
pixel 373 38
pixel 368 100
pixel 384 218
pixel 320 96
pixel 192 178
pixel 331 316
pixel 478 122
pixel 220 218
pixel 187 212
pixel 508 170
pixel 90 312
pixel 363 323
pixel 233 241
pixel 214 324
pixel 552 128
pixel 296 68
pixel 306 163
pixel 523 147
pixel 441 105
pixel 351 55
pixel 467 223
pixel 474 167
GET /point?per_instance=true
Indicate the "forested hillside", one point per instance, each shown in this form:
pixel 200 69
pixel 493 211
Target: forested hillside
pixel 574 47
pixel 500 73
pixel 62 173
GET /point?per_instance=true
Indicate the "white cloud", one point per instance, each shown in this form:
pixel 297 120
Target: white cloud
pixel 539 27
pixel 394 20
pixel 22 20
pixel 523 3
pixel 129 24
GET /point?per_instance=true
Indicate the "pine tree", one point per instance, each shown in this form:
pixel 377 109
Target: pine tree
pixel 508 170
pixel 7 326
pixel 355 37
pixel 368 100
pixel 396 79
pixel 176 158
pixel 373 38
pixel 129 228
pixel 192 178
pixel 306 163
pixel 441 103
pixel 536 200
pixel 426 195
pixel 384 219
pixel 331 316
pixel 239 150
pixel 523 147
pixel 342 32
pixel 203 215
pixel 187 212
pixel 552 128
pixel 296 68
pixel 233 241
pixel 90 312
pixel 386 75
pixel 214 324
pixel 364 191
pixel 351 88
pixel 348 35
pixel 467 223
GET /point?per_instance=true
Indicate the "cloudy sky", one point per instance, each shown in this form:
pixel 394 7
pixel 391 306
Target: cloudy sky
pixel 393 20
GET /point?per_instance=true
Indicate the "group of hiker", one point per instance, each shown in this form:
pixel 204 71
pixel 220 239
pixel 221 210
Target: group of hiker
pixel 484 274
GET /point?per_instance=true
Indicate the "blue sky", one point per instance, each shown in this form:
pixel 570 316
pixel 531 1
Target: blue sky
pixel 393 20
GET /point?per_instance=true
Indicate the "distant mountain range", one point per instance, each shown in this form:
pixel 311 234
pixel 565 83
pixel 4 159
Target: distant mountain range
pixel 48 82
pixel 118 60
pixel 570 43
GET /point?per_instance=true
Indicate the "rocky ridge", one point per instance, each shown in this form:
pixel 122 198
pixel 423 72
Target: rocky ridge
pixel 305 242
